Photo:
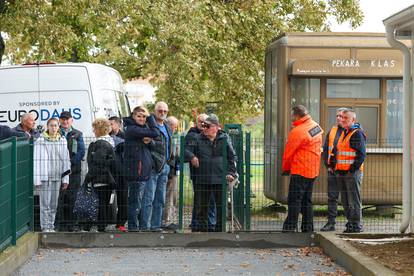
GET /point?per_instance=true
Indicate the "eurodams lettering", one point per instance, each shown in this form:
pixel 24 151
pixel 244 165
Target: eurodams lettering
pixel 11 116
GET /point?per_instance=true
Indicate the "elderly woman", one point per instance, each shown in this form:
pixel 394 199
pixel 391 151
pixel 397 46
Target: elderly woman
pixel 101 170
pixel 51 171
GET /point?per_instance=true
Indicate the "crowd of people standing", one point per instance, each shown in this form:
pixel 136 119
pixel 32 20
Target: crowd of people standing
pixel 136 160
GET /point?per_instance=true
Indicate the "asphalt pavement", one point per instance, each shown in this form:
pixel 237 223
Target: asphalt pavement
pixel 179 261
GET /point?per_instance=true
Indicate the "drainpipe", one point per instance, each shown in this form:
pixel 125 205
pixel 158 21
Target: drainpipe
pixel 407 202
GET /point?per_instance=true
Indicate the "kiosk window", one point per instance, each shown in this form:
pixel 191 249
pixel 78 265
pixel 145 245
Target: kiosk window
pixel 368 118
pixel 353 88
pixel 394 113
pixel 307 93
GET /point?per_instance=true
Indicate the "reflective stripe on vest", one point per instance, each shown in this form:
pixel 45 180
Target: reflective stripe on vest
pixel 345 155
pixel 331 139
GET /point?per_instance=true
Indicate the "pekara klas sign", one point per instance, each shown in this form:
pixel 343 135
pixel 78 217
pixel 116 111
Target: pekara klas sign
pixel 347 67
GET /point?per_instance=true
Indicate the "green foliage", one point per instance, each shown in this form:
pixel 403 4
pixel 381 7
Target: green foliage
pixel 197 52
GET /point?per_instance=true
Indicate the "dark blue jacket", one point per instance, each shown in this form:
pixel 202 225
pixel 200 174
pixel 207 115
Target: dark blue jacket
pixel 137 156
pixel 76 148
pixel 159 148
pixel 358 143
pixel 33 132
pixel 6 132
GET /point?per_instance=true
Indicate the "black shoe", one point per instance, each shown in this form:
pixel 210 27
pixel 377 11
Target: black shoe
pixel 328 227
pixel 348 230
pixel 171 227
pixel 356 230
pixel 157 230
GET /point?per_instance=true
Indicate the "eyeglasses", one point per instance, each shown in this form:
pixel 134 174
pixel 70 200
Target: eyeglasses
pixel 204 125
pixel 162 111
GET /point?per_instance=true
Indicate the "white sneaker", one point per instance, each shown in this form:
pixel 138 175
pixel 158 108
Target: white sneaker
pixel 94 229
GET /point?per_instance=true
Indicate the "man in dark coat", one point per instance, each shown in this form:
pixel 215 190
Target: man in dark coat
pixel 6 132
pixel 206 156
pixel 189 138
pixel 26 127
pixel 65 219
pixel 140 129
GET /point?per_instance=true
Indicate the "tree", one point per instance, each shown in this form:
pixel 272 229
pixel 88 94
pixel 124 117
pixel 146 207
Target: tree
pixel 196 52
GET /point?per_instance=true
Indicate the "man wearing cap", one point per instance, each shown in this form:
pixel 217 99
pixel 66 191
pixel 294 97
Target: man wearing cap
pixel 191 136
pixel 76 146
pixel 206 156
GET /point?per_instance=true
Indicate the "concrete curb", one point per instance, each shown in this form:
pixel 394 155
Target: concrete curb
pixel 15 256
pixel 352 260
pixel 251 240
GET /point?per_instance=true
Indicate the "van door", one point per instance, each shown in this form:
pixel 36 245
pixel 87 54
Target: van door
pixel 66 88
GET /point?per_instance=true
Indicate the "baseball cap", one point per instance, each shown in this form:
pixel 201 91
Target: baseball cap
pixel 65 115
pixel 212 119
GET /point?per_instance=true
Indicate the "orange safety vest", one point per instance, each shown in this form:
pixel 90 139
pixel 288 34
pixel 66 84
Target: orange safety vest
pixel 331 139
pixel 345 155
pixel 302 152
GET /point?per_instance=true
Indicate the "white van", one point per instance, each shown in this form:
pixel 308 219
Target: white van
pixel 87 90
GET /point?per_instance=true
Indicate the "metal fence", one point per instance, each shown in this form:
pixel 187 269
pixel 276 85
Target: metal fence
pixel 254 205
pixel 16 190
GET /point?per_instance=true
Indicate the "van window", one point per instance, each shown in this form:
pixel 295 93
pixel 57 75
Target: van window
pixel 122 105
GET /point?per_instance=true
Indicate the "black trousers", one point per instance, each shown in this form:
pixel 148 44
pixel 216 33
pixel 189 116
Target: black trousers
pixel 65 219
pixel 122 201
pixel 203 194
pixel 104 211
pixel 333 195
pixel 299 201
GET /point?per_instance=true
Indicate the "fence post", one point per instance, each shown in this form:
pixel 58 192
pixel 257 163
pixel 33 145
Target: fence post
pixel 13 190
pixel 31 185
pixel 181 194
pixel 224 191
pixel 247 180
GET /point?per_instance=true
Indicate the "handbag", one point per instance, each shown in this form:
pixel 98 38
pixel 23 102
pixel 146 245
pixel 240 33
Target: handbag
pixel 86 203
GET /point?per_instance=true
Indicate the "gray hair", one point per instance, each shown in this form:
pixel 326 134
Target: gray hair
pixel 350 111
pixel 26 116
pixel 172 120
pixel 341 109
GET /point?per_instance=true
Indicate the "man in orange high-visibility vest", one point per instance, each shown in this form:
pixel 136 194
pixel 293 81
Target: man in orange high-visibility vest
pixel 329 159
pixel 350 156
pixel 301 159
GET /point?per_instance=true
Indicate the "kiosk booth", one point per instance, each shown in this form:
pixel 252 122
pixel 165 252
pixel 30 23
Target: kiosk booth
pixel 325 71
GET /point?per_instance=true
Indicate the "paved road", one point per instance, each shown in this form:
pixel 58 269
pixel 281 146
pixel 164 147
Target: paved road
pixel 179 261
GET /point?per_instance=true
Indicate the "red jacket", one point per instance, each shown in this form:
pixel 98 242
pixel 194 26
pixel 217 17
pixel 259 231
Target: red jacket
pixel 303 148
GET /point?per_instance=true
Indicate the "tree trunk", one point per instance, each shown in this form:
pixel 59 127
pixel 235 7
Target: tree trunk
pixel 2 48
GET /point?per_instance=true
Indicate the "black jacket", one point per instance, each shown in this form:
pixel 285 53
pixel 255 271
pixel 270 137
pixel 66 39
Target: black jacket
pixel 76 148
pixel 190 138
pixel 6 132
pixel 101 164
pixel 33 132
pixel 211 159
pixel 159 149
pixel 137 155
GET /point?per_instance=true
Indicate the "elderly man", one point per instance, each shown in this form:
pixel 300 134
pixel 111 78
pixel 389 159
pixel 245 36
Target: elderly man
pixel 301 160
pixel 76 146
pixel 329 159
pixel 155 188
pixel 350 156
pixel 174 163
pixel 27 126
pixel 206 156
pixel 189 138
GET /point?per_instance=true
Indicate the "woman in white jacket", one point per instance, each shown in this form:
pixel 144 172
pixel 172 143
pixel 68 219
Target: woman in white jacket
pixel 51 171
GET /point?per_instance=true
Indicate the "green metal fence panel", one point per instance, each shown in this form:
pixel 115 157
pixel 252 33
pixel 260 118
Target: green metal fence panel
pixel 16 189
pixel 239 202
pixel 5 192
pixel 248 182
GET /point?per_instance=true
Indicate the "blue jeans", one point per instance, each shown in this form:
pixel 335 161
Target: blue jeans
pixel 135 194
pixel 154 199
